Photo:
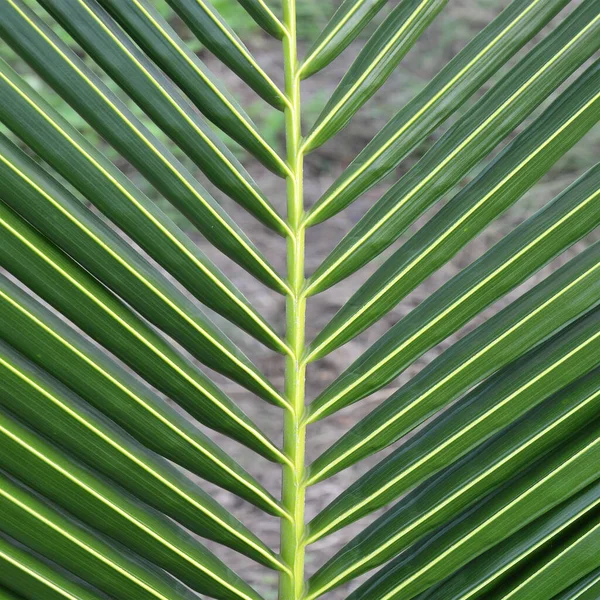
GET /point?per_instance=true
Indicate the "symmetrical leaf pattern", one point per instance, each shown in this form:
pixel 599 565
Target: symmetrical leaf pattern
pixel 114 374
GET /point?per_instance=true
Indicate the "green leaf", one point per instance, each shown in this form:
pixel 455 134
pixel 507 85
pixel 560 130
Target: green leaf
pixel 67 356
pixel 264 16
pixel 30 191
pixel 79 365
pixel 76 294
pixel 109 509
pixel 537 490
pixel 160 42
pixel 349 20
pixel 445 94
pixel 565 564
pixel 496 568
pixel 210 28
pixel 24 248
pixel 43 528
pixel 514 171
pixel 545 309
pixel 38 125
pixel 40 199
pixel 108 344
pixel 492 406
pixel 73 80
pixel 585 589
pixel 473 136
pixel 50 409
pixel 33 578
pixel 7 595
pixel 375 63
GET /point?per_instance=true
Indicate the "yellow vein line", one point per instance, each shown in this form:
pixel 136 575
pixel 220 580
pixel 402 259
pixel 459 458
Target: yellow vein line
pixel 253 375
pixel 471 360
pixel 83 546
pixel 452 155
pixel 146 406
pixel 459 434
pixel 123 513
pixel 457 224
pixel 243 50
pixel 140 337
pixel 193 125
pixel 330 36
pixel 387 48
pixel 207 80
pixel 476 60
pixel 44 580
pixel 452 306
pixel 137 461
pixel 466 538
pixel 450 499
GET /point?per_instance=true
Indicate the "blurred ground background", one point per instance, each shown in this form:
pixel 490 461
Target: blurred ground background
pixel 458 23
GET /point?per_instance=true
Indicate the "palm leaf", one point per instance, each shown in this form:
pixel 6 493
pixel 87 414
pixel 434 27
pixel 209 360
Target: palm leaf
pixel 212 30
pixel 454 433
pixel 527 547
pixel 445 94
pixel 25 572
pixel 472 209
pixel 158 39
pixel 520 501
pixel 467 142
pixel 123 322
pixel 585 588
pixel 344 26
pixel 50 532
pixel 373 66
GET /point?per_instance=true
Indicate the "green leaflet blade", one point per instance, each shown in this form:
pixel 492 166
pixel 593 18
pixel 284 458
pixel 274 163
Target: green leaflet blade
pixel 472 138
pixel 72 291
pixel 349 20
pixel 105 187
pixel 570 468
pixel 561 297
pixel 43 528
pixel 26 574
pixel 499 270
pixel 453 86
pixel 109 509
pixel 522 163
pixel 490 571
pixel 210 28
pixel 587 588
pixel 472 420
pixel 264 16
pixel 566 563
pixel 160 42
pixel 53 411
pixel 6 595
pixel 63 147
pixel 375 63
pixel 46 204
pixel 76 83
pixel 183 321
pixel 46 340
